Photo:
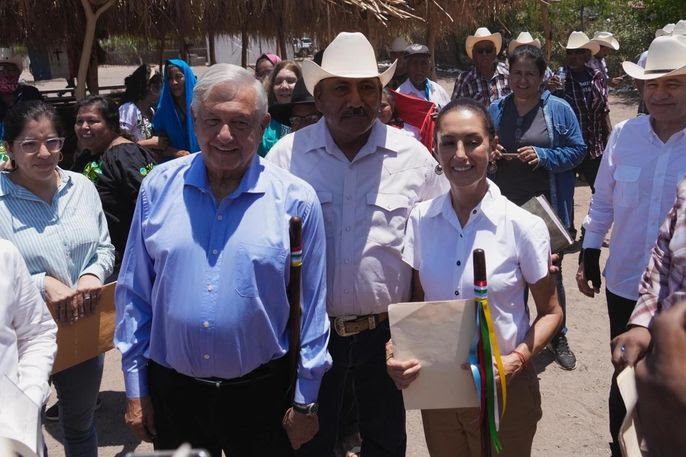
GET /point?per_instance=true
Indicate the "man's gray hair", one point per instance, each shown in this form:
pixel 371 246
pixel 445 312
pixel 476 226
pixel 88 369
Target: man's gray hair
pixel 224 72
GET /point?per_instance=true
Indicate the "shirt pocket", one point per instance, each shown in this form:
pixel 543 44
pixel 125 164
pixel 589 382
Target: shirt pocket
pixel 389 214
pixel 258 267
pixel 326 200
pixel 626 186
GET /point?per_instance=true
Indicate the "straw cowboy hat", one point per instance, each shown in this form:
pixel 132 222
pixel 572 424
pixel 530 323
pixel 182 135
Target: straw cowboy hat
pixel 349 55
pixel 606 39
pixel 399 45
pixel 7 56
pixel 483 34
pixel 666 57
pixel 523 38
pixel 579 40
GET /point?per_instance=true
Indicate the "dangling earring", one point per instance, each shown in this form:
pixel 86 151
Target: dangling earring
pixel 61 157
pixel 439 169
pixel 492 167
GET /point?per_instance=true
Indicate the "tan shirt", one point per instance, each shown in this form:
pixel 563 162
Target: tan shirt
pixel 366 204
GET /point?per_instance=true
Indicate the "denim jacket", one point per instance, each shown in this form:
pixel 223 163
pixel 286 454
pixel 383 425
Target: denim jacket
pixel 567 151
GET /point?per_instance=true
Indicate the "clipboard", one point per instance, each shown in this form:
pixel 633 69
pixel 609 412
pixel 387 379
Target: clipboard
pixel 439 335
pixel 89 336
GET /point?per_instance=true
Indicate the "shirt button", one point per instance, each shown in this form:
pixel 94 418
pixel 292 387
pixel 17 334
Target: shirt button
pixel 347 260
pixel 220 217
pixel 347 229
pixel 474 212
pixel 346 291
pixel 205 324
pixel 210 288
pixel 206 357
pixel 215 252
pixel 348 197
pixel 457 292
pixel 460 235
pixel 459 263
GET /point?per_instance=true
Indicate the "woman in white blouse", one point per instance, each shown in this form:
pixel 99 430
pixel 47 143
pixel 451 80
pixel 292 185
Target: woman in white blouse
pixel 441 235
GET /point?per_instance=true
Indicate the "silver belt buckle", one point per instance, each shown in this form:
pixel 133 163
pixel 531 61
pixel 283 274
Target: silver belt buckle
pixel 339 325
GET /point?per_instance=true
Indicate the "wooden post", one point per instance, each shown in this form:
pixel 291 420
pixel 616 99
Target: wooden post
pixel 547 31
pixel 244 46
pixel 89 37
pixel 211 47
pixel 430 38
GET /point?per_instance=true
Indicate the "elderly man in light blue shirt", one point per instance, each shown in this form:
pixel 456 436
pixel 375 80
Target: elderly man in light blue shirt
pixel 202 310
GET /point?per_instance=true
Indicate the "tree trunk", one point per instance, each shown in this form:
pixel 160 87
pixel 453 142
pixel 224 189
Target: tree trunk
pixel 244 47
pixel 160 50
pixel 211 47
pixel 431 43
pixel 87 49
pixel 281 40
pixel 547 31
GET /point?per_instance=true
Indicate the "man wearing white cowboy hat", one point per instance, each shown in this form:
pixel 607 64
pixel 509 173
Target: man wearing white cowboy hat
pixel 418 84
pixel 368 176
pixel 608 44
pixel 636 187
pixel 11 91
pixel 585 89
pixel 397 54
pixel 488 79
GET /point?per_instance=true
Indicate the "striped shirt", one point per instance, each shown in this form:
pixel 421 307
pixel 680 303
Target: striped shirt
pixel 64 239
pixel 472 84
pixel 664 282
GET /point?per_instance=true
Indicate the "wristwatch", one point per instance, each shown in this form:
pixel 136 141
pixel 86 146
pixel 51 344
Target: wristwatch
pixel 309 409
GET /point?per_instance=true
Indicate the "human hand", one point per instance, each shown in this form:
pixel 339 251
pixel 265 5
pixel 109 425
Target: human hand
pixel 402 373
pixel 555 264
pixel 554 83
pixel 661 384
pixel 527 154
pixel 589 270
pixel 89 288
pixel 181 153
pixel 158 142
pixel 299 427
pixel 497 154
pixel 140 417
pixel 629 347
pixel 58 297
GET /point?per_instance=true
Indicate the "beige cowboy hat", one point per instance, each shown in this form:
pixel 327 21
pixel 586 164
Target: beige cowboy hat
pixel 606 39
pixel 666 30
pixel 680 28
pixel 579 40
pixel 483 34
pixel 666 57
pixel 7 56
pixel 349 55
pixel 399 45
pixel 523 38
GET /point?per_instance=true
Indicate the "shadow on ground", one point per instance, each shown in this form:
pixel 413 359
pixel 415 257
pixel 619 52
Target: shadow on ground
pixel 109 422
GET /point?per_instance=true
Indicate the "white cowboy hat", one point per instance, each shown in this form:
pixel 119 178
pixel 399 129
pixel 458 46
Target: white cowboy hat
pixel 483 34
pixel 666 30
pixel 666 57
pixel 523 38
pixel 579 40
pixel 680 28
pixel 7 56
pixel 606 39
pixel 349 55
pixel 399 45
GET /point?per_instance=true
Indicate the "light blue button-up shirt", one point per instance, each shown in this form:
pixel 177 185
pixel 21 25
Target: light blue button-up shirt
pixel 202 286
pixel 64 239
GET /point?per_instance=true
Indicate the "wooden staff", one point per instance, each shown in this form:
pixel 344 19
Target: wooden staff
pixel 479 263
pixel 295 312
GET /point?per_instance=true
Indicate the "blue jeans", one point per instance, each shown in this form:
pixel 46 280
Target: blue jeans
pixel 77 391
pixel 381 413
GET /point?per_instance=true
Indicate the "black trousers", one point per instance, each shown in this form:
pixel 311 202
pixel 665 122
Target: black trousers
pixel 619 309
pixel 381 413
pixel 241 417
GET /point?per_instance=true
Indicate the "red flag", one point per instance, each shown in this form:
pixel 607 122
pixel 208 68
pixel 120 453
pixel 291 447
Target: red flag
pixel 418 113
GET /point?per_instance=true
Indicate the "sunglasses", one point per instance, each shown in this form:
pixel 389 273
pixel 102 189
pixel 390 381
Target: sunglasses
pixel 490 50
pixel 571 52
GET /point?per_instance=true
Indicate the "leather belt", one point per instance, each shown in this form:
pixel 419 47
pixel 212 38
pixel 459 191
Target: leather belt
pixel 352 325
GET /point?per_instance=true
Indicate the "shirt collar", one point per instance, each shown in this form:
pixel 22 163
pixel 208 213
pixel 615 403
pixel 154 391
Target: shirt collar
pixel 490 206
pixel 378 138
pixel 252 181
pixel 8 187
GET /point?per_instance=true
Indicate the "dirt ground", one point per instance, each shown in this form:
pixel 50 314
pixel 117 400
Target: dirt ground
pixel 574 419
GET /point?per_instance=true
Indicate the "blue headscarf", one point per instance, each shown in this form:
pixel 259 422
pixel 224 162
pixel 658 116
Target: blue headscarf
pixel 167 120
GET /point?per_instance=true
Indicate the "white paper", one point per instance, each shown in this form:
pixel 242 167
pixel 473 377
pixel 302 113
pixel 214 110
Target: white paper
pixel 19 419
pixel 439 335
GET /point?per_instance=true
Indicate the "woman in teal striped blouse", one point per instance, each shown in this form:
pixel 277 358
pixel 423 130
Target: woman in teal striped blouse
pixel 55 219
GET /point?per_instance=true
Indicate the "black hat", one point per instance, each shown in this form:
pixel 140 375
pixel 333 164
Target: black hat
pixel 282 111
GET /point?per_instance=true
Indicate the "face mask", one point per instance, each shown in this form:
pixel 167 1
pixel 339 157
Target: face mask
pixel 8 83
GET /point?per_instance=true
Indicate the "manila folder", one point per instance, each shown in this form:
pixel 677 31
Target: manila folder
pixel 439 335
pixel 89 336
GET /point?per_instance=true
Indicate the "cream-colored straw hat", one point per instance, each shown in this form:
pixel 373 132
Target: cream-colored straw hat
pixel 483 34
pixel 349 55
pixel 579 40
pixel 666 57
pixel 606 39
pixel 666 30
pixel 523 38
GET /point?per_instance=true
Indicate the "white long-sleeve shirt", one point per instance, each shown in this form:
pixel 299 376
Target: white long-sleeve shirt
pixel 635 188
pixel 27 331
